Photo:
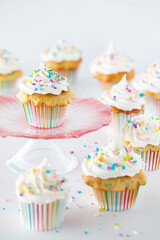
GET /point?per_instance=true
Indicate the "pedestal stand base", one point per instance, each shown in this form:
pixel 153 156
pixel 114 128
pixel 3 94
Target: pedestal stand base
pixel 34 151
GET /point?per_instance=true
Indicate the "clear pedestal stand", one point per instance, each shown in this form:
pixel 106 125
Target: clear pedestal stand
pixel 42 149
pixel 82 116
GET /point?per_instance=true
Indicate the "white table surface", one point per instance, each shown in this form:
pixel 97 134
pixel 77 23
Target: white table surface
pixel 140 222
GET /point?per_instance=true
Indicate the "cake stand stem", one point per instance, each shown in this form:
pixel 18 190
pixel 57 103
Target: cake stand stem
pixel 35 150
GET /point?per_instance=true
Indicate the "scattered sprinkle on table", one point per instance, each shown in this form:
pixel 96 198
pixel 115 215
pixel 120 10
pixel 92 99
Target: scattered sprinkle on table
pixel 79 192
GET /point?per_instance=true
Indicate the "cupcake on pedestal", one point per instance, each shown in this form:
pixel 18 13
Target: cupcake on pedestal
pixel 125 102
pixel 115 174
pixel 42 194
pixel 141 133
pixel 9 71
pixel 110 67
pixel 44 95
pixel 63 58
pixel 149 82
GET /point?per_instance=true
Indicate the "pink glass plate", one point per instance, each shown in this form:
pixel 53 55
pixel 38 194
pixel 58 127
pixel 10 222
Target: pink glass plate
pixel 82 116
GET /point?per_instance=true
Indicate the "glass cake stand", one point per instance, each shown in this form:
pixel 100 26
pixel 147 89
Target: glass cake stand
pixel 82 116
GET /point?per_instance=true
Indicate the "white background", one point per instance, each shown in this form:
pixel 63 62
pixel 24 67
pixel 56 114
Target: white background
pixel 27 28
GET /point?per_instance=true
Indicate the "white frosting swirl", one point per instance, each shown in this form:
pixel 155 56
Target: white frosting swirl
pixel 111 62
pixel 112 161
pixel 142 130
pixel 8 62
pixel 123 96
pixel 41 184
pixel 61 51
pixel 43 81
pixel 150 80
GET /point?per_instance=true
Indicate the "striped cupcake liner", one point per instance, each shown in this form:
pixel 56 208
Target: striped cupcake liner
pixel 43 217
pixel 116 201
pixel 7 86
pixel 71 75
pixel 118 120
pixel 151 159
pixel 43 116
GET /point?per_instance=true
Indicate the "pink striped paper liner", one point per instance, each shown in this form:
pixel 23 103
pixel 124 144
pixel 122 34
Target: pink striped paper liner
pixel 7 86
pixel 116 201
pixel 151 159
pixel 43 116
pixel 118 120
pixel 43 217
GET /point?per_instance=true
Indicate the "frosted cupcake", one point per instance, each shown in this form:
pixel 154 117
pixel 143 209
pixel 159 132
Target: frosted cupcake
pixel 9 71
pixel 141 133
pixel 115 174
pixel 125 102
pixel 149 82
pixel 63 58
pixel 44 95
pixel 110 67
pixel 42 194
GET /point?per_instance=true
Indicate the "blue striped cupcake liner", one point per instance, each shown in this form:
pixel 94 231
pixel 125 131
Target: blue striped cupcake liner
pixel 43 217
pixel 43 116
pixel 116 201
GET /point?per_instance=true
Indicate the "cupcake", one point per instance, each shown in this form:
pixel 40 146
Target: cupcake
pixel 63 58
pixel 42 194
pixel 9 71
pixel 125 102
pixel 44 95
pixel 110 67
pixel 149 82
pixel 115 174
pixel 141 133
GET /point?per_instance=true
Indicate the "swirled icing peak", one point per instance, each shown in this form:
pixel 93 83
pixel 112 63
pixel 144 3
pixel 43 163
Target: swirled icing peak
pixel 111 161
pixel 61 51
pixel 43 81
pixel 41 183
pixel 111 62
pixel 142 130
pixel 123 96
pixel 8 62
pixel 150 80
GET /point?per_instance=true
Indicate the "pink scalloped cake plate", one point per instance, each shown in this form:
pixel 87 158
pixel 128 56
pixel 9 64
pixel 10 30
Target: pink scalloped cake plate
pixel 82 116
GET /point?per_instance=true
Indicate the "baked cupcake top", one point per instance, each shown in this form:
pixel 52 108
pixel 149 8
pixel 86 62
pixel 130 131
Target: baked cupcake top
pixel 142 130
pixel 61 51
pixel 43 81
pixel 150 80
pixel 111 62
pixel 123 96
pixel 8 62
pixel 41 184
pixel 112 161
